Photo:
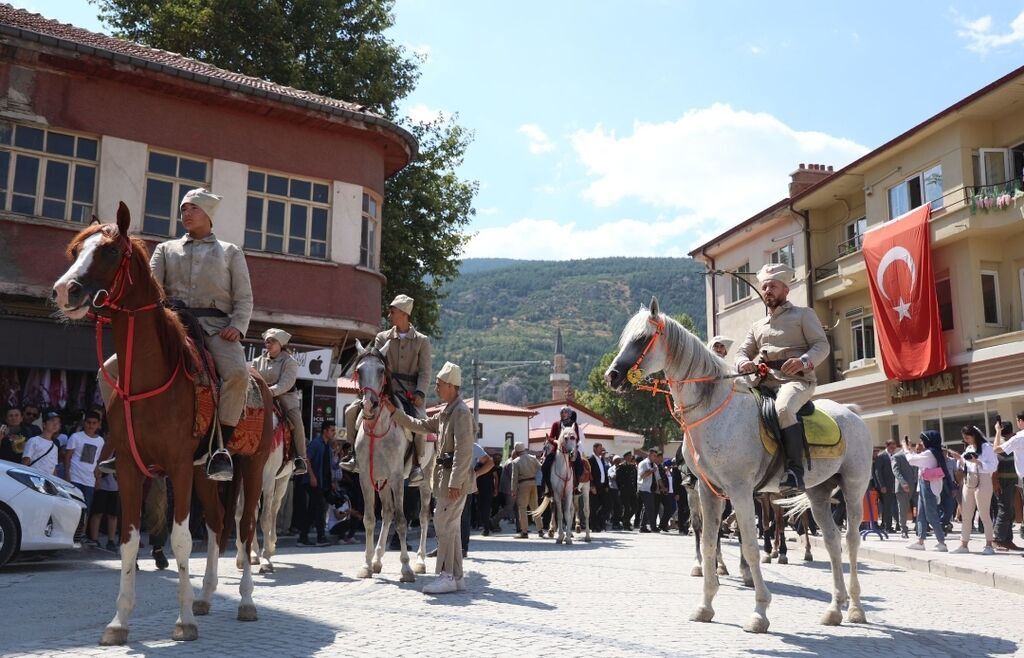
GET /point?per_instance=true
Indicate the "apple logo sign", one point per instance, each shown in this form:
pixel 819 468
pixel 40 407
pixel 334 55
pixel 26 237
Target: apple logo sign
pixel 316 366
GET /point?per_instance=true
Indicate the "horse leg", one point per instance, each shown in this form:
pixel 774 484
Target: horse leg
pixel 559 518
pixel 854 515
pixel 821 508
pixel 805 522
pixel 711 512
pixel 240 554
pixel 420 566
pixel 387 513
pixel 695 522
pixel 765 529
pixel 720 567
pixel 585 506
pixel 780 535
pixel 181 544
pixel 745 574
pixel 743 506
pixel 402 527
pixel 130 483
pixel 213 511
pixel 369 524
pixel 251 472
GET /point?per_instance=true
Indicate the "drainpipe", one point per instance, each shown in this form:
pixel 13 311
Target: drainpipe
pixel 832 373
pixel 714 295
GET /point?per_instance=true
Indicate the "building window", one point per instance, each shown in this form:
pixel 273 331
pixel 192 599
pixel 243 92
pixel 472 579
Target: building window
pixel 285 215
pixel 782 255
pixel 863 338
pixel 369 231
pixel 922 187
pixel 944 297
pixel 738 285
pixel 168 178
pixel 990 296
pixel 854 237
pixel 47 173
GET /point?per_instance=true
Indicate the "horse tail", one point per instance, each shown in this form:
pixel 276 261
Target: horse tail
pixel 154 508
pixel 537 513
pixel 795 506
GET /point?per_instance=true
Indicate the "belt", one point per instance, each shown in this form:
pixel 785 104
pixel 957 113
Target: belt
pixel 207 313
pixel 405 378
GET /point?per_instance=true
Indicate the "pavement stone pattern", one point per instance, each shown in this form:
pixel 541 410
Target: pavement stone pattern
pixel 624 594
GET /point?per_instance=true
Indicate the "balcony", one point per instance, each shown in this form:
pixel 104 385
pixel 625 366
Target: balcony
pixel 995 206
pixel 843 273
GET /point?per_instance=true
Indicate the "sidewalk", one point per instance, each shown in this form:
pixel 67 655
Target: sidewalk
pixel 1004 570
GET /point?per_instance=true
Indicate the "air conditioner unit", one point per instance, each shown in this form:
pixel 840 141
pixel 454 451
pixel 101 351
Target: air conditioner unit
pixel 854 312
pixel 861 363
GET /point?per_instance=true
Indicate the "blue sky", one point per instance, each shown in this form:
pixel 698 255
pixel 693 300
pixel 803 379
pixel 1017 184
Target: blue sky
pixel 644 128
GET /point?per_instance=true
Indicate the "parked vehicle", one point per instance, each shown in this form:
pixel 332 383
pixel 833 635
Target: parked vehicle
pixel 38 512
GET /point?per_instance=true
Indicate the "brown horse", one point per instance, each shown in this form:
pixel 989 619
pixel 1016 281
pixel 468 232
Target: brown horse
pixel 152 417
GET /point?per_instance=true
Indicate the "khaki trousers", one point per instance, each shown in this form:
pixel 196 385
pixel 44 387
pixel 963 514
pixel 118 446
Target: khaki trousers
pixel 526 497
pixel 789 397
pixel 978 496
pixel 448 526
pixel 294 416
pixel 231 367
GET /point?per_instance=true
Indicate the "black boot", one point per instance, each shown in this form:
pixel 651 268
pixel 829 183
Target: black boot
pixel 219 466
pixel 108 466
pixel 300 466
pixel 793 444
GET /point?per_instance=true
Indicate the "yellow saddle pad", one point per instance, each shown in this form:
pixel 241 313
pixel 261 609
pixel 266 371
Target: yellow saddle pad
pixel 823 436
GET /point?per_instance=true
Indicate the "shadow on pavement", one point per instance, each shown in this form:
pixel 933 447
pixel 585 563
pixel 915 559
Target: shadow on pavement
pixel 888 641
pixel 477 589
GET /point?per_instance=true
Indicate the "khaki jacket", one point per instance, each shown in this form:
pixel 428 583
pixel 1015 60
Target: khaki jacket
pixel 206 273
pixel 455 434
pixel 524 469
pixel 280 375
pixel 409 358
pixel 788 332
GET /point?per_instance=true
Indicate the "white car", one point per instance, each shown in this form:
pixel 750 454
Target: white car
pixel 38 512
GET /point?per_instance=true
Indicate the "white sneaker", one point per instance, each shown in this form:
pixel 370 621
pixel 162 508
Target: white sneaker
pixel 460 584
pixel 914 546
pixel 960 549
pixel 941 548
pixel 987 551
pixel 443 584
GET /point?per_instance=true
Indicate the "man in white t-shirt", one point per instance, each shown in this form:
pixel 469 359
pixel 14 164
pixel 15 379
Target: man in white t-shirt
pixel 41 451
pixel 647 471
pixel 1015 446
pixel 83 454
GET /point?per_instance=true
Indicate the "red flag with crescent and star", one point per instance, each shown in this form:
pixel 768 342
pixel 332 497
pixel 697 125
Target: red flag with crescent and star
pixel 898 256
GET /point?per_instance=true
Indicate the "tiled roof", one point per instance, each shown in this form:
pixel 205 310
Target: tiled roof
pixel 590 431
pixel 497 408
pixel 23 24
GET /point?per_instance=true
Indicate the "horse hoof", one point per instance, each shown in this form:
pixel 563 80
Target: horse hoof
pixel 247 612
pixel 419 567
pixel 113 636
pixel 200 607
pixel 551 533
pixel 703 614
pixel 808 557
pixel 856 616
pixel 568 540
pixel 407 577
pixel 775 554
pixel 757 624
pixel 267 568
pixel 254 561
pixel 766 559
pixel 748 581
pixel 587 539
pixel 722 570
pixel 697 572
pixel 783 559
pixel 185 633
pixel 377 566
pixel 364 572
pixel 558 541
pixel 239 564
pixel 831 618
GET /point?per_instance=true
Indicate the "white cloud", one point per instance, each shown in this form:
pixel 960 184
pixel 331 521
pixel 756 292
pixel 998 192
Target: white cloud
pixel 421 113
pixel 538 140
pixel 717 162
pixel 755 50
pixel 981 36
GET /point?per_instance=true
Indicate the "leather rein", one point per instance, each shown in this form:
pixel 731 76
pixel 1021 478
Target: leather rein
pixel 371 427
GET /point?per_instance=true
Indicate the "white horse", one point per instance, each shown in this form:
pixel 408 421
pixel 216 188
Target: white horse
pixel 275 484
pixel 562 490
pixel 380 451
pixel 721 418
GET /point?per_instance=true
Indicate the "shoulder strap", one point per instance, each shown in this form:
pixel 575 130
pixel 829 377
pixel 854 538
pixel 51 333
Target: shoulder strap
pixel 52 446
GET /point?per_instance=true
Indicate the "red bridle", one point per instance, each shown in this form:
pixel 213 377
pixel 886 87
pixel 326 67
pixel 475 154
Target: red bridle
pixel 371 427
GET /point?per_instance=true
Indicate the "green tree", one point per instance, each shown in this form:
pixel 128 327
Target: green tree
pixel 336 48
pixel 632 410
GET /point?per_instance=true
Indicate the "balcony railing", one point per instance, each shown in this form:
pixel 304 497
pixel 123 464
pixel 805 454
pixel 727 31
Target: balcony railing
pixel 845 248
pixel 998 196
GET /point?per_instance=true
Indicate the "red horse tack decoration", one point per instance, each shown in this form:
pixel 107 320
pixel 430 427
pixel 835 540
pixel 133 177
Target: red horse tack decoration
pixel 152 417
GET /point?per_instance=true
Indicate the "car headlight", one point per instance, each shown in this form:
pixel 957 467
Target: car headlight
pixel 36 482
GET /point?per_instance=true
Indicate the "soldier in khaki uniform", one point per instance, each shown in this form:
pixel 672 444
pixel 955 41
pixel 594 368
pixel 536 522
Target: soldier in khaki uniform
pixel 453 477
pixel 210 278
pixel 791 341
pixel 280 370
pixel 524 485
pixel 409 360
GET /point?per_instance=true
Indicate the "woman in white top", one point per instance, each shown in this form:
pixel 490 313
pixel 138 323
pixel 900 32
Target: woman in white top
pixel 979 462
pixel 927 457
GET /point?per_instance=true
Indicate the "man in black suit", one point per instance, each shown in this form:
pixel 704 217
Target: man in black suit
pixel 885 480
pixel 625 475
pixel 598 489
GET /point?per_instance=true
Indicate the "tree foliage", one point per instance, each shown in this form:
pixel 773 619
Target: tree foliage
pixel 633 410
pixel 336 48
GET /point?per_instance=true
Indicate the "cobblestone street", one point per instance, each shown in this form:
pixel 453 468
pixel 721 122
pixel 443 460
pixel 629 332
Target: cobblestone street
pixel 624 594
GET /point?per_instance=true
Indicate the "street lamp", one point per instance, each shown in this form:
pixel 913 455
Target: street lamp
pixel 503 365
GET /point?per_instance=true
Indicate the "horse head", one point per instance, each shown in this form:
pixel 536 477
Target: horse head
pixel 568 442
pixel 104 263
pixel 371 374
pixel 640 349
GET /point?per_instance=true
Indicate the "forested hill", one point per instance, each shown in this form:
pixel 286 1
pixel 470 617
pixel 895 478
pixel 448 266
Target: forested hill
pixel 508 310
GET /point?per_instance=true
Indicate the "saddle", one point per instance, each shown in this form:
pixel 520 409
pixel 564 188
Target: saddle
pixel 821 432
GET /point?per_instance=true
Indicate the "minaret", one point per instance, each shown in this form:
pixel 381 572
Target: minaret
pixel 559 378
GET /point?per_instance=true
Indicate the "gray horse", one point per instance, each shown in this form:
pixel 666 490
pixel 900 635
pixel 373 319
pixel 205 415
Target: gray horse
pixel 721 419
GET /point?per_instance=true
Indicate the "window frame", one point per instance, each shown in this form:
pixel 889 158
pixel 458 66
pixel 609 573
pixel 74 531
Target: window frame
pixel 289 202
pixel 774 256
pixel 947 280
pixel 854 236
pixel 922 185
pixel 860 346
pixel 369 255
pixel 179 187
pixel 737 284
pixel 995 289
pixel 43 158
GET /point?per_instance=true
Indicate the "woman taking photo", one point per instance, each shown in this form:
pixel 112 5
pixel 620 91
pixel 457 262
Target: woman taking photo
pixel 979 462
pixel 932 474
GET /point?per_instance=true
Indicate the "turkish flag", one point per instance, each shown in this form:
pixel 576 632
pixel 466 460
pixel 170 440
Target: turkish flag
pixel 898 256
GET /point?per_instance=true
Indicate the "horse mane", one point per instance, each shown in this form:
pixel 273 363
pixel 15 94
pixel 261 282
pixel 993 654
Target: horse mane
pixel 686 355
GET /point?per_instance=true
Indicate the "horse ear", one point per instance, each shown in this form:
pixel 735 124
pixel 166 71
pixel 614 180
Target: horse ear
pixel 654 307
pixel 359 346
pixel 124 219
pixel 384 349
pixel 95 220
